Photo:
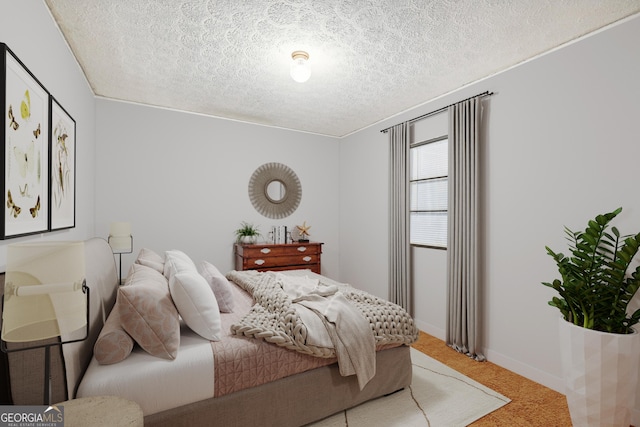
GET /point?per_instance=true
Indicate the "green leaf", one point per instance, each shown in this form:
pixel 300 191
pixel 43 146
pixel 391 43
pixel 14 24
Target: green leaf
pixel 595 288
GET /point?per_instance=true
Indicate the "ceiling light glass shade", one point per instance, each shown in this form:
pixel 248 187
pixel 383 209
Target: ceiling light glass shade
pixel 120 238
pixel 43 291
pixel 300 69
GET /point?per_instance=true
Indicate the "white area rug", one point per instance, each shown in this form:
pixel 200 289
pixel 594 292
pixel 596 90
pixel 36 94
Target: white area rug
pixel 438 397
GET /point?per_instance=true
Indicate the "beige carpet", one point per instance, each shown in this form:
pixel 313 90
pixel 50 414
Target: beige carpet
pixel 438 397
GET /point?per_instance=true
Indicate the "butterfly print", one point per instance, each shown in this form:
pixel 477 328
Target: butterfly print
pixel 25 159
pixel 15 210
pixel 25 106
pixel 13 124
pixel 24 192
pixel 34 210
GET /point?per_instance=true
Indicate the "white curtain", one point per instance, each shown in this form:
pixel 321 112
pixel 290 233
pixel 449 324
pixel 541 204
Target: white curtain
pixel 463 288
pixel 399 250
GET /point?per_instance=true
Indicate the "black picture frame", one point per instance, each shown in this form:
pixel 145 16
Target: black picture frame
pixel 62 164
pixel 25 154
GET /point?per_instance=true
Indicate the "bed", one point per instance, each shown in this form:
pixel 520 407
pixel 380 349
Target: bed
pixel 247 374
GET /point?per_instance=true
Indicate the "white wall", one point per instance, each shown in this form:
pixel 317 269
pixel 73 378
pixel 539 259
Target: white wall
pixel 182 180
pixel 30 32
pixel 562 142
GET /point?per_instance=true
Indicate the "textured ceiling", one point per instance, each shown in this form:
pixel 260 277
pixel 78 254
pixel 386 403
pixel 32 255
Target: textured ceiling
pixel 370 59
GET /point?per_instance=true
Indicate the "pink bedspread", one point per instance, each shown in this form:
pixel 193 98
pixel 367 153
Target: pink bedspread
pixel 241 362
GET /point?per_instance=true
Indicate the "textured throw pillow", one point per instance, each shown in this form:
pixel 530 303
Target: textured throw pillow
pixel 196 304
pixel 148 314
pixel 176 261
pixel 141 274
pixel 219 284
pixel 149 258
pixel 113 344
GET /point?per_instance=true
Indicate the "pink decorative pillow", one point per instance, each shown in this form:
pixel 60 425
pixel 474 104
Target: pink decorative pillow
pixel 141 274
pixel 113 344
pixel 151 259
pixel 148 314
pixel 219 284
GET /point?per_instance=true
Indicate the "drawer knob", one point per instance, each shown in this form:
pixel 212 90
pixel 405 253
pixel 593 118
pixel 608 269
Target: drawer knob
pixel 259 261
pixel 265 250
pixel 306 259
pixel 302 248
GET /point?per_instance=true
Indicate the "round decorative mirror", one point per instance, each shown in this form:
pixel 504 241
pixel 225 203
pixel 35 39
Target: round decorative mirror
pixel 274 190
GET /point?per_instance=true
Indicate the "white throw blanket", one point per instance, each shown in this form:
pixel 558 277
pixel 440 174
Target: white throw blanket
pixel 301 314
pixel 332 320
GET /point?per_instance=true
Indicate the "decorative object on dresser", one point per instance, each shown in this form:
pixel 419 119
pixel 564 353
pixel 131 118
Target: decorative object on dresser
pixel 46 298
pixel 290 256
pixel 280 234
pixel 247 233
pixel 121 241
pixel 303 230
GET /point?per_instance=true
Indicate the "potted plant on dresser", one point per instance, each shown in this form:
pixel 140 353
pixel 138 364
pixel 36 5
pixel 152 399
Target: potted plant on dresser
pixel 247 233
pixel 599 346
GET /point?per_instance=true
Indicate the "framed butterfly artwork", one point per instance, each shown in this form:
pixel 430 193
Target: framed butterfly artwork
pixel 62 194
pixel 25 153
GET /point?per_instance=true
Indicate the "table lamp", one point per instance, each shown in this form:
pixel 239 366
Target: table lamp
pixel 45 297
pixel 121 241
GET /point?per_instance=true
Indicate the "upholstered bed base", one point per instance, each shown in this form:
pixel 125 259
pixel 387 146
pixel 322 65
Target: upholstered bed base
pixel 295 400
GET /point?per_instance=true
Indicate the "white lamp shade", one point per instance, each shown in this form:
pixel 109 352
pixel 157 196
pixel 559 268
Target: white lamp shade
pixel 43 291
pixel 120 237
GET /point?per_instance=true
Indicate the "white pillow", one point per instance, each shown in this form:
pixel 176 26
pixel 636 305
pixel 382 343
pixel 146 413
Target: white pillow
pixel 219 284
pixel 176 261
pixel 196 304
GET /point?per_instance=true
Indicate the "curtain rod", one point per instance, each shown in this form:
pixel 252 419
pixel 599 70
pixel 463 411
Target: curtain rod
pixel 440 110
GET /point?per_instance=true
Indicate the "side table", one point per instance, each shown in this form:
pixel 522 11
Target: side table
pixel 97 411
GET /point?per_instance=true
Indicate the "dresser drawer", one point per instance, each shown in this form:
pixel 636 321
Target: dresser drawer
pixel 278 261
pixel 258 251
pixel 279 256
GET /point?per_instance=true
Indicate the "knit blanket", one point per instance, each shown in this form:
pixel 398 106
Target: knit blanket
pixel 273 316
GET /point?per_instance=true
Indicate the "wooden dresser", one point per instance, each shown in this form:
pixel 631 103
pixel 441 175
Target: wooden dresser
pixel 289 256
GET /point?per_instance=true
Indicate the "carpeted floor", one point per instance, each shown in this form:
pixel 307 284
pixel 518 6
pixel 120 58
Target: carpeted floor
pixel 532 404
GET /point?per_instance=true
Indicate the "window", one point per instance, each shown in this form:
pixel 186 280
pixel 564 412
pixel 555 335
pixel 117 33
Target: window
pixel 428 183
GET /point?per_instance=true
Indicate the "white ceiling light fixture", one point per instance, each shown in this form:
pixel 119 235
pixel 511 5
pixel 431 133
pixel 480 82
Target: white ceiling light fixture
pixel 300 70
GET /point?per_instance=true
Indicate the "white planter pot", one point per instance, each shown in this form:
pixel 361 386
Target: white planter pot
pixel 600 375
pixel 249 240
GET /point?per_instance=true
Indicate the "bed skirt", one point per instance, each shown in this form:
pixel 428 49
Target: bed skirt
pixel 295 400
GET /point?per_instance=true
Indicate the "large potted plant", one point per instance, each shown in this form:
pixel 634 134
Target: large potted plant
pixel 599 346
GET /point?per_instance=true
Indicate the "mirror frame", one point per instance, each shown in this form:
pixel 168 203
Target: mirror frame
pixel 260 180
